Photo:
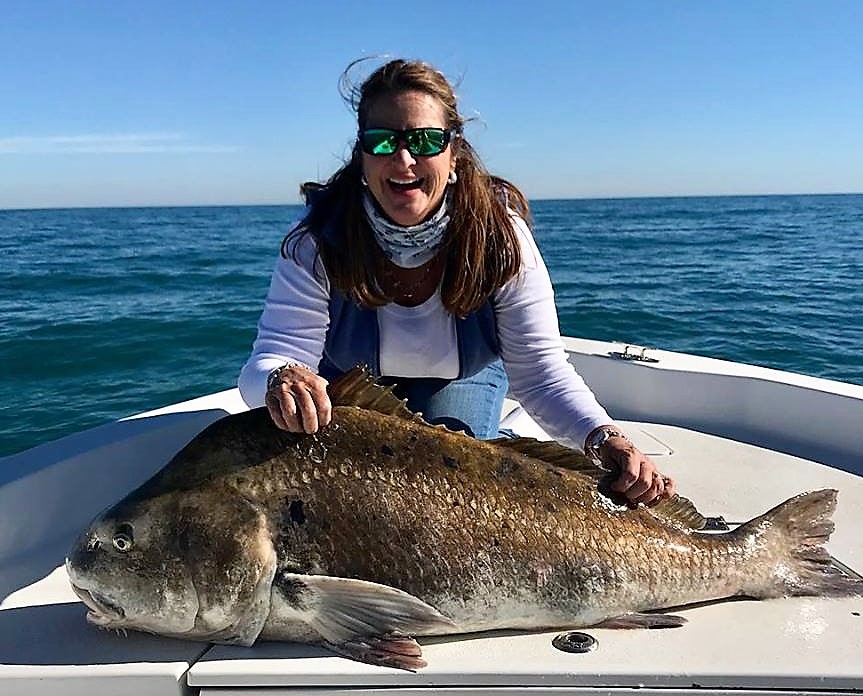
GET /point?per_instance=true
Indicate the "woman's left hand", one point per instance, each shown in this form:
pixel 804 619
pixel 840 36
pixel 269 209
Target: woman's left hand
pixel 639 480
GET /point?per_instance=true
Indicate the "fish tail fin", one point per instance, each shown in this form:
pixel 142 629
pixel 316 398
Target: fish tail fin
pixel 796 531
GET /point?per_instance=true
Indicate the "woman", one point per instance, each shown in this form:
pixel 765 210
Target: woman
pixel 413 260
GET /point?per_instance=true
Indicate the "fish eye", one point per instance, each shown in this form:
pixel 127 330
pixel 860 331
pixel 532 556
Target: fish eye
pixel 122 539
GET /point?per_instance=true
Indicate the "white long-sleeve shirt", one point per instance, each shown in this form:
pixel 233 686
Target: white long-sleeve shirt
pixel 421 341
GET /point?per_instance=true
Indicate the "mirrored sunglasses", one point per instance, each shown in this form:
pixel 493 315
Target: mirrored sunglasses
pixel 420 142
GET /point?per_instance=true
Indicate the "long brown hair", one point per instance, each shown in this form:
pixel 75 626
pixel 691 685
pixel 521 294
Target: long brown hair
pixel 481 245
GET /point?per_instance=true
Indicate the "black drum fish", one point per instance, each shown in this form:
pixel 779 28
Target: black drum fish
pixel 381 527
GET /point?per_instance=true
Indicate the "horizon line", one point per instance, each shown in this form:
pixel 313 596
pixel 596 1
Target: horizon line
pixel 538 198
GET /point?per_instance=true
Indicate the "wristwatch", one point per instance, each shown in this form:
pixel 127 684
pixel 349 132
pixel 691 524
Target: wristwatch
pixel 597 439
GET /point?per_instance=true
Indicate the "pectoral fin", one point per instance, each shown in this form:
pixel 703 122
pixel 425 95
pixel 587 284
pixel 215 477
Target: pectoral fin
pixel 363 620
pixel 394 650
pixel 639 620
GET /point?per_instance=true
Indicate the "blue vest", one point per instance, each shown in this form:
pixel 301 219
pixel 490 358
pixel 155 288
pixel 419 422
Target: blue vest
pixel 353 337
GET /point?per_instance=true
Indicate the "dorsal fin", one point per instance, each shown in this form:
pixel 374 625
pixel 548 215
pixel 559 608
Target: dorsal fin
pixel 681 510
pixel 553 453
pixel 678 509
pixel 357 387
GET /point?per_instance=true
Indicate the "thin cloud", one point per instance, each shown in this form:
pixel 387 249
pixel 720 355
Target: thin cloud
pixel 108 144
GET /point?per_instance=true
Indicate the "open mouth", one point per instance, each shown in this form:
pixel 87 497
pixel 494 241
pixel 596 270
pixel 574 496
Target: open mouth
pixel 102 610
pixel 402 185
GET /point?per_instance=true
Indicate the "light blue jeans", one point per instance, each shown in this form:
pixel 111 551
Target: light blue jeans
pixel 471 404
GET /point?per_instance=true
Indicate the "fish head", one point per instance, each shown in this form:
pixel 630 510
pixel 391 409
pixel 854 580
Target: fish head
pixel 129 571
pixel 185 563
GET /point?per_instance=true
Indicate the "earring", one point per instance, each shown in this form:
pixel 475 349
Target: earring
pixel 363 181
pixel 452 178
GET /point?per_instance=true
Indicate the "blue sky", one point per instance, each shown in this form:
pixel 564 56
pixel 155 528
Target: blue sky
pixel 217 102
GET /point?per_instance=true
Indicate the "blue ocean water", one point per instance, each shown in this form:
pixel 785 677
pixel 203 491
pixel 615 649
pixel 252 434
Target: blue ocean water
pixel 109 312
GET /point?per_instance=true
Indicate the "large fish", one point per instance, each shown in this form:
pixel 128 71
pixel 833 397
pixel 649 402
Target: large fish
pixel 380 527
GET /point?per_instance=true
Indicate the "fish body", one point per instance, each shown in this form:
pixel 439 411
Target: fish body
pixel 380 526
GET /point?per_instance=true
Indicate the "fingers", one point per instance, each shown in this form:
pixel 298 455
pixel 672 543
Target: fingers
pixel 639 481
pixel 274 406
pixel 670 487
pixel 654 492
pixel 298 401
pixel 299 409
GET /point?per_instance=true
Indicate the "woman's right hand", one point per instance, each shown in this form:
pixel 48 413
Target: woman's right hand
pixel 297 399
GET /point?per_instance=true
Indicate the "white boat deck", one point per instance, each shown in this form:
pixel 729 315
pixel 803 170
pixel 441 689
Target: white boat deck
pixel 801 644
pixel 770 431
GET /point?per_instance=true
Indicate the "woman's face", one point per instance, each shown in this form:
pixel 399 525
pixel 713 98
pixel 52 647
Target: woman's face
pixel 408 188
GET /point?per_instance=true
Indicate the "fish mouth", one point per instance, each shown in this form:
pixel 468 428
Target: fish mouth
pixel 103 612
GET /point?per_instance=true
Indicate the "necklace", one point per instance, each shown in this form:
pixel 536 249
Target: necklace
pixel 408 290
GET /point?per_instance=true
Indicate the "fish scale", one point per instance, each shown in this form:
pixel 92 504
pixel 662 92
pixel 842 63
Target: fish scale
pixel 361 542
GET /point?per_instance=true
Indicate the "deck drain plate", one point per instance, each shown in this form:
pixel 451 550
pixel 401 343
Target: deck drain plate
pixel 575 642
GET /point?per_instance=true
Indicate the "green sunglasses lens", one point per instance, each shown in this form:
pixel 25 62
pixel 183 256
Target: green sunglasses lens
pixel 426 141
pixel 379 141
pixel 423 142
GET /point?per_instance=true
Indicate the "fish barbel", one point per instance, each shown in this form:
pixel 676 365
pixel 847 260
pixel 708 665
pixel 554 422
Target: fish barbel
pixel 380 527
